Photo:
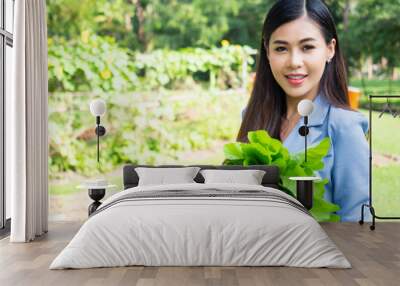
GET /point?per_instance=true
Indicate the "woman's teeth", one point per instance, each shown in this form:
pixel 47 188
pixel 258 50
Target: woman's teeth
pixel 296 76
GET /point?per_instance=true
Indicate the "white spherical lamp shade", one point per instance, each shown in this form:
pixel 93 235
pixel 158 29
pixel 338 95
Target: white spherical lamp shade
pixel 305 107
pixel 98 107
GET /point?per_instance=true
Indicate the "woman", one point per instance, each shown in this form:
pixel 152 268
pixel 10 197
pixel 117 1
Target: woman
pixel 300 58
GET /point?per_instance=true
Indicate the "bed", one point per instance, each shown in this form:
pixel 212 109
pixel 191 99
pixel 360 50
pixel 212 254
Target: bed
pixel 201 224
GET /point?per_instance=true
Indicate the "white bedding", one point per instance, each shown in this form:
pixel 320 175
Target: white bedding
pixel 200 231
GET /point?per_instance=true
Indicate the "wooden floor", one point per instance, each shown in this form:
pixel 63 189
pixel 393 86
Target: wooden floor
pixel 374 255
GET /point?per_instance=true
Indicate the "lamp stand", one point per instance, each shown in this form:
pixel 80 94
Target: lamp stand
pixel 100 131
pixel 303 131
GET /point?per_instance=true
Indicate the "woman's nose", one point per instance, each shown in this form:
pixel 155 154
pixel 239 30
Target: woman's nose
pixel 295 60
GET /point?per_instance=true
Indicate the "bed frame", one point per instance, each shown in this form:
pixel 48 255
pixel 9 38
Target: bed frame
pixel 270 179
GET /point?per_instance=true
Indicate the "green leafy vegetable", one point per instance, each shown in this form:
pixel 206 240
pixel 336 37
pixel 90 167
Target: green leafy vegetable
pixel 262 149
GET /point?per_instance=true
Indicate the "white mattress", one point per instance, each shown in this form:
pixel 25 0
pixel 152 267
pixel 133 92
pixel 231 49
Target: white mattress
pixel 200 231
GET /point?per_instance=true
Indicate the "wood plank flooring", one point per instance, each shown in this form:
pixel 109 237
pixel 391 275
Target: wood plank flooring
pixel 374 255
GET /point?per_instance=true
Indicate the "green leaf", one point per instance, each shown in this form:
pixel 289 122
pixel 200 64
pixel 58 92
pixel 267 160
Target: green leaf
pixel 319 189
pixel 334 218
pixel 281 163
pixel 322 205
pixel 233 151
pixel 262 137
pixel 293 169
pixel 259 136
pixel 316 154
pixel 255 154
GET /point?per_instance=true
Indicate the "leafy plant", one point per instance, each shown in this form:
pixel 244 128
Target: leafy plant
pixel 97 63
pixel 91 63
pixel 262 149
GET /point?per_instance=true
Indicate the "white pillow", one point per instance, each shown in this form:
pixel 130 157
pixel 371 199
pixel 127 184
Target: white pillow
pixel 165 176
pixel 248 177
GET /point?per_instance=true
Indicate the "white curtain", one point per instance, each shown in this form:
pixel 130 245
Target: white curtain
pixel 26 124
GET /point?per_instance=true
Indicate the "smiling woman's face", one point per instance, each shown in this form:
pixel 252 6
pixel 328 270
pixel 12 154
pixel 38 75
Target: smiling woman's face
pixel 297 53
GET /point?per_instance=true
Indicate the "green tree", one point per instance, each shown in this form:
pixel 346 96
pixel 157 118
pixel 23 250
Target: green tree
pixel 377 26
pixel 144 24
pixel 245 27
pixel 68 19
pixel 180 23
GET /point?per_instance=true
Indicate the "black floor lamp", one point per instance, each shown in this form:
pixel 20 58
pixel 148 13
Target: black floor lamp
pixel 304 185
pixel 97 188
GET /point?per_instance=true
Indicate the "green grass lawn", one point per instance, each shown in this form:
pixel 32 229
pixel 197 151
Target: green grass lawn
pixel 386 190
pixel 385 133
pixel 70 187
pixel 385 179
pixel 377 86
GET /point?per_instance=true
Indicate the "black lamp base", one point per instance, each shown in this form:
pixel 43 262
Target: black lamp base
pixel 96 195
pixel 304 192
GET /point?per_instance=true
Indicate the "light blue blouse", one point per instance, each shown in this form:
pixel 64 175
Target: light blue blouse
pixel 346 165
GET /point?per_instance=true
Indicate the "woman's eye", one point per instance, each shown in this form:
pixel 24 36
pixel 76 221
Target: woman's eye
pixel 306 48
pixel 280 49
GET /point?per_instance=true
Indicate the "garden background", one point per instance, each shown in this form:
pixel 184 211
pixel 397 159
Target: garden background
pixel 176 74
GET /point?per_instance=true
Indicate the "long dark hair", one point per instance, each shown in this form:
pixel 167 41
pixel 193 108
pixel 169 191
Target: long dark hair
pixel 267 103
